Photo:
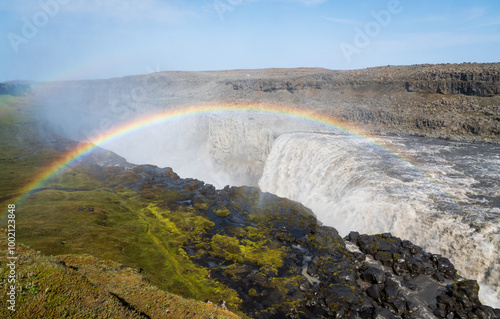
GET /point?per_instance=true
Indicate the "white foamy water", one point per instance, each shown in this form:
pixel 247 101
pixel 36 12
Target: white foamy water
pixel 446 201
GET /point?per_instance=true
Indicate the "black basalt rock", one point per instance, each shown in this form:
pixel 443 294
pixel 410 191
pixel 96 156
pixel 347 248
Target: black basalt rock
pixel 413 269
pixel 375 292
pixel 283 264
pixel 373 275
pixel 383 313
pixel 446 268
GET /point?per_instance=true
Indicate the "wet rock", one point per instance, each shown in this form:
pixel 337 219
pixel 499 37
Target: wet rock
pixel 399 266
pixel 440 313
pixel 208 190
pixel 359 256
pixel 399 306
pixel 373 275
pixel 352 237
pixel 445 301
pixel 411 306
pixel 305 286
pixel 437 276
pixel 383 313
pixel 469 289
pixel 461 301
pixel 385 257
pixel 346 276
pixel 428 269
pixel 446 267
pixel 312 270
pixel 406 244
pixel 368 245
pixel 340 293
pixel 285 237
pixel 391 292
pixel 375 293
pixel 199 199
pixel 415 265
pixel 488 312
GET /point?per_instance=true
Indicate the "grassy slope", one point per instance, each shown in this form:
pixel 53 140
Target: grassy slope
pixel 81 286
pixel 17 141
pixel 112 223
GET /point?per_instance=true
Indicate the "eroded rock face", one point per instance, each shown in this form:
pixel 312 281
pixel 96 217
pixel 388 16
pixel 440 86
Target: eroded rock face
pixel 467 79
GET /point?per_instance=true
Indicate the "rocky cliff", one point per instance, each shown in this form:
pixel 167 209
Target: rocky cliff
pixel 467 79
pixel 447 79
pixel 457 101
pixel 451 101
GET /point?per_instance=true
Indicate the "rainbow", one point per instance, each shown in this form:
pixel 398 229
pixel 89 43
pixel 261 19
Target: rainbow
pixel 84 149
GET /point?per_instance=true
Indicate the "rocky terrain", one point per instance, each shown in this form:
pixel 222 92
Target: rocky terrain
pixel 456 101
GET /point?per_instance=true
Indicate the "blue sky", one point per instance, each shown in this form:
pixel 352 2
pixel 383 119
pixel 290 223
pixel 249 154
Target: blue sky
pixel 82 39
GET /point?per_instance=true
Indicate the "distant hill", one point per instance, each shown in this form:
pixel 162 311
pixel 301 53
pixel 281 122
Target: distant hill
pixel 457 101
pixel 15 88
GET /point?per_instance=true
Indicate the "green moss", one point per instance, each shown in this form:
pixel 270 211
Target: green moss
pixel 223 212
pixel 255 234
pixel 269 270
pixel 260 253
pixel 466 288
pixel 201 206
pixel 226 247
pixel 252 292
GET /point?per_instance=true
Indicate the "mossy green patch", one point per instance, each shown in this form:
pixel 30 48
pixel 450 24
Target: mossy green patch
pixel 261 253
pixel 222 212
pixel 201 206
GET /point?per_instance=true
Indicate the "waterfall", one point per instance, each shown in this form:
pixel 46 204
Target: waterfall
pixel 351 184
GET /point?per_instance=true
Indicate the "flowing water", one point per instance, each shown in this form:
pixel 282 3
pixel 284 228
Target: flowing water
pixel 443 196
